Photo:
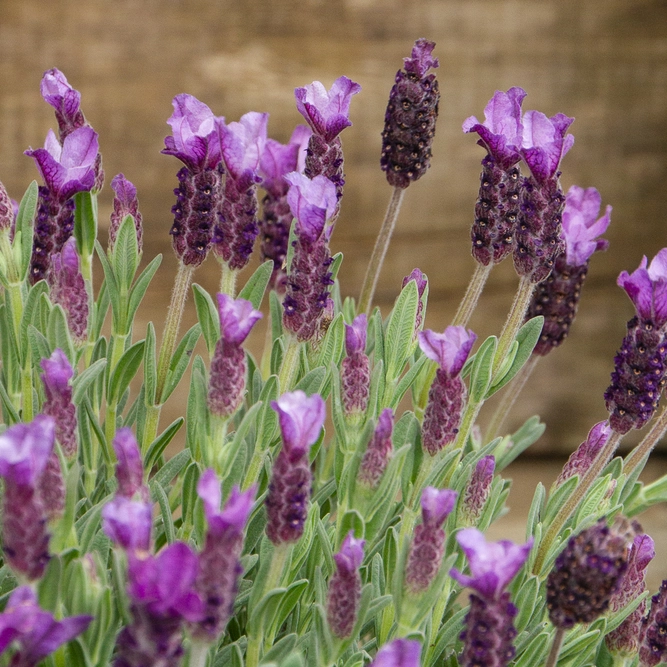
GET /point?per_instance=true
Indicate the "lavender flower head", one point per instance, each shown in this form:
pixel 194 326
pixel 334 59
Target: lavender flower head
pixel 355 369
pixel 639 373
pixel 124 203
pixel 581 459
pixel 219 561
pixel 447 394
pixel 228 365
pixel 301 419
pixel 128 523
pixel 544 143
pixel 580 227
pixel 130 468
pixel 653 638
pixel 428 543
pixel 25 449
pixel 313 203
pixel 58 404
pixel 377 454
pixel 345 587
pixel 477 491
pixel 398 653
pixel 36 631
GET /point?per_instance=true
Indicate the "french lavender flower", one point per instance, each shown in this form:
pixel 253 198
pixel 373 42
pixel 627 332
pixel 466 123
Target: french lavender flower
pixel 477 491
pixel 653 639
pixel 345 587
pixel 276 162
pixel 301 419
pixel 125 203
pixel 228 365
pixel 355 374
pixel 428 544
pixel 242 145
pixel 490 630
pixel 398 653
pixel 24 454
pixel 130 468
pixel 377 454
pixel 66 169
pixel 581 459
pixel 639 373
pixel 58 404
pixel 195 141
pixel 162 599
pixel 538 236
pixel 219 560
pixel 422 283
pixel 409 121
pixel 36 631
pixel 68 289
pixel 328 114
pixel 447 395
pixel 557 297
pixel 497 207
pixel 586 574
pixel 313 203
pixel 624 640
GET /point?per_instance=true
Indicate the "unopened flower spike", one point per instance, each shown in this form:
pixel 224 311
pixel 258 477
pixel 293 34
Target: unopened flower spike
pixel 409 121
pixel 66 169
pixel 328 114
pixel 57 376
pixel 538 234
pixel 497 207
pixel 276 162
pixel 355 374
pixel 68 289
pixel 242 145
pixel 377 454
pixel 447 395
pixel 125 203
pixel 422 283
pixel 428 544
pixel 557 297
pixel 489 626
pixel 345 587
pixel 639 374
pixel 307 296
pixel 130 468
pixel 301 419
pixel 219 560
pixel 477 491
pixel 195 141
pixel 653 637
pixel 228 365
pixel 581 459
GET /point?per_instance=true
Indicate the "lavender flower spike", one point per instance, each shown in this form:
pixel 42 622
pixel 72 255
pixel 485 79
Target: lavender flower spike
pixel 219 561
pixel 301 419
pixel 581 459
pixel 377 454
pixel 489 624
pixel 130 468
pixel 228 365
pixel 345 587
pixel 24 454
pixel 639 373
pixel 124 203
pixel 409 121
pixel 355 374
pixel 447 394
pixel 36 631
pixel 428 543
pixel 398 653
pixel 477 491
pixel 653 638
pixel 497 207
pixel 313 203
pixel 68 289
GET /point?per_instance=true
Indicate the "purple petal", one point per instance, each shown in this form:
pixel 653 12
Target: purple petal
pixel 544 143
pixel 130 468
pixel 301 419
pixel 243 143
pixel 580 227
pixel 421 60
pixel 236 510
pixel 312 202
pixel 49 634
pixel 57 92
pixel 351 553
pixel 355 335
pixel 437 505
pixel 642 551
pixel 449 349
pixel 25 450
pixel 128 523
pixel 125 191
pixel 420 278
pixel 57 371
pixel 657 272
pixel 639 288
pixel 210 492
pixel 237 318
pixel 385 425
pixel 398 653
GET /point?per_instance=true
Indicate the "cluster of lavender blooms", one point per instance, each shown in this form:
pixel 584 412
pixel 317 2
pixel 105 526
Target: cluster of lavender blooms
pixel 310 519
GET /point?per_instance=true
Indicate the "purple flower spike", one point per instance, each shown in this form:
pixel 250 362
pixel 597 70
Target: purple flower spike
pixel 25 449
pixel 301 419
pixel 398 653
pixel 377 455
pixel 66 101
pixel 647 288
pixel 580 227
pixel 345 587
pixel 36 631
pixel 124 203
pixel 449 349
pixel 130 468
pixel 582 458
pixel 653 644
pixel 545 142
pixel 492 564
pixel 128 523
pixel 237 318
pixel 478 490
pixel 355 372
pixel 327 113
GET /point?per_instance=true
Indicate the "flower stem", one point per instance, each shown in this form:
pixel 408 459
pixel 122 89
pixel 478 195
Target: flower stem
pixel 555 648
pixel 471 297
pixel 640 453
pixel 227 279
pixel 379 251
pixel 571 504
pixel 198 654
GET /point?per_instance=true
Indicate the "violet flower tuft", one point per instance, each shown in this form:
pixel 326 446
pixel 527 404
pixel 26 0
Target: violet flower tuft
pixel 345 587
pixel 581 459
pixel 125 203
pixel 355 374
pixel 477 491
pixel 653 638
pixel 377 454
pixel 398 653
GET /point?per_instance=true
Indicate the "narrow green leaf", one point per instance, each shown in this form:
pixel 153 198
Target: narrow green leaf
pixel 8 406
pixel 157 447
pixel 58 333
pixel 481 370
pixel 100 311
pixel 400 330
pixel 312 382
pixel 407 381
pixel 85 379
pixel 85 222
pixel 125 254
pixel 127 368
pixel 30 308
pixel 208 317
pixel 160 497
pixel 25 227
pixel 180 360
pixel 150 365
pixel 141 285
pixel 254 289
pixel 512 446
pixel 276 309
pixel 172 468
pixel 113 288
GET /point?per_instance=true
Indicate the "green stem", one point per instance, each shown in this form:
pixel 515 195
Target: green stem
pixel 227 279
pixel 198 654
pixel 216 447
pixel 510 394
pixel 26 375
pixel 555 648
pixel 571 504
pixel 380 250
pixel 640 453
pixel 471 297
pixel 289 366
pixel 514 321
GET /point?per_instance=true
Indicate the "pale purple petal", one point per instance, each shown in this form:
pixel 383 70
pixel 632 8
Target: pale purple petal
pixel 312 202
pixel 125 190
pixel 236 510
pixel 57 371
pixel 57 92
pixel 544 143
pixel 421 60
pixel 301 419
pixel 130 468
pixel 25 450
pixel 128 523
pixel 210 492
pixel 492 564
pixel 580 227
pixel 355 335
pixel 237 318
pixel 243 143
pixel 398 653
pixel 351 553
pixel 449 349
pixel 657 272
pixel 437 505
pixel 419 278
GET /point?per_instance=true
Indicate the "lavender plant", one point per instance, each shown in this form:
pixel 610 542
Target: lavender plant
pixel 331 499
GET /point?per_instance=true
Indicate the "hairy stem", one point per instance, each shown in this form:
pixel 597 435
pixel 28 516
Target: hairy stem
pixel 471 297
pixel 640 453
pixel 555 648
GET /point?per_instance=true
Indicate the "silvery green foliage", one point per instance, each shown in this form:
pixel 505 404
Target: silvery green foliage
pixel 280 615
